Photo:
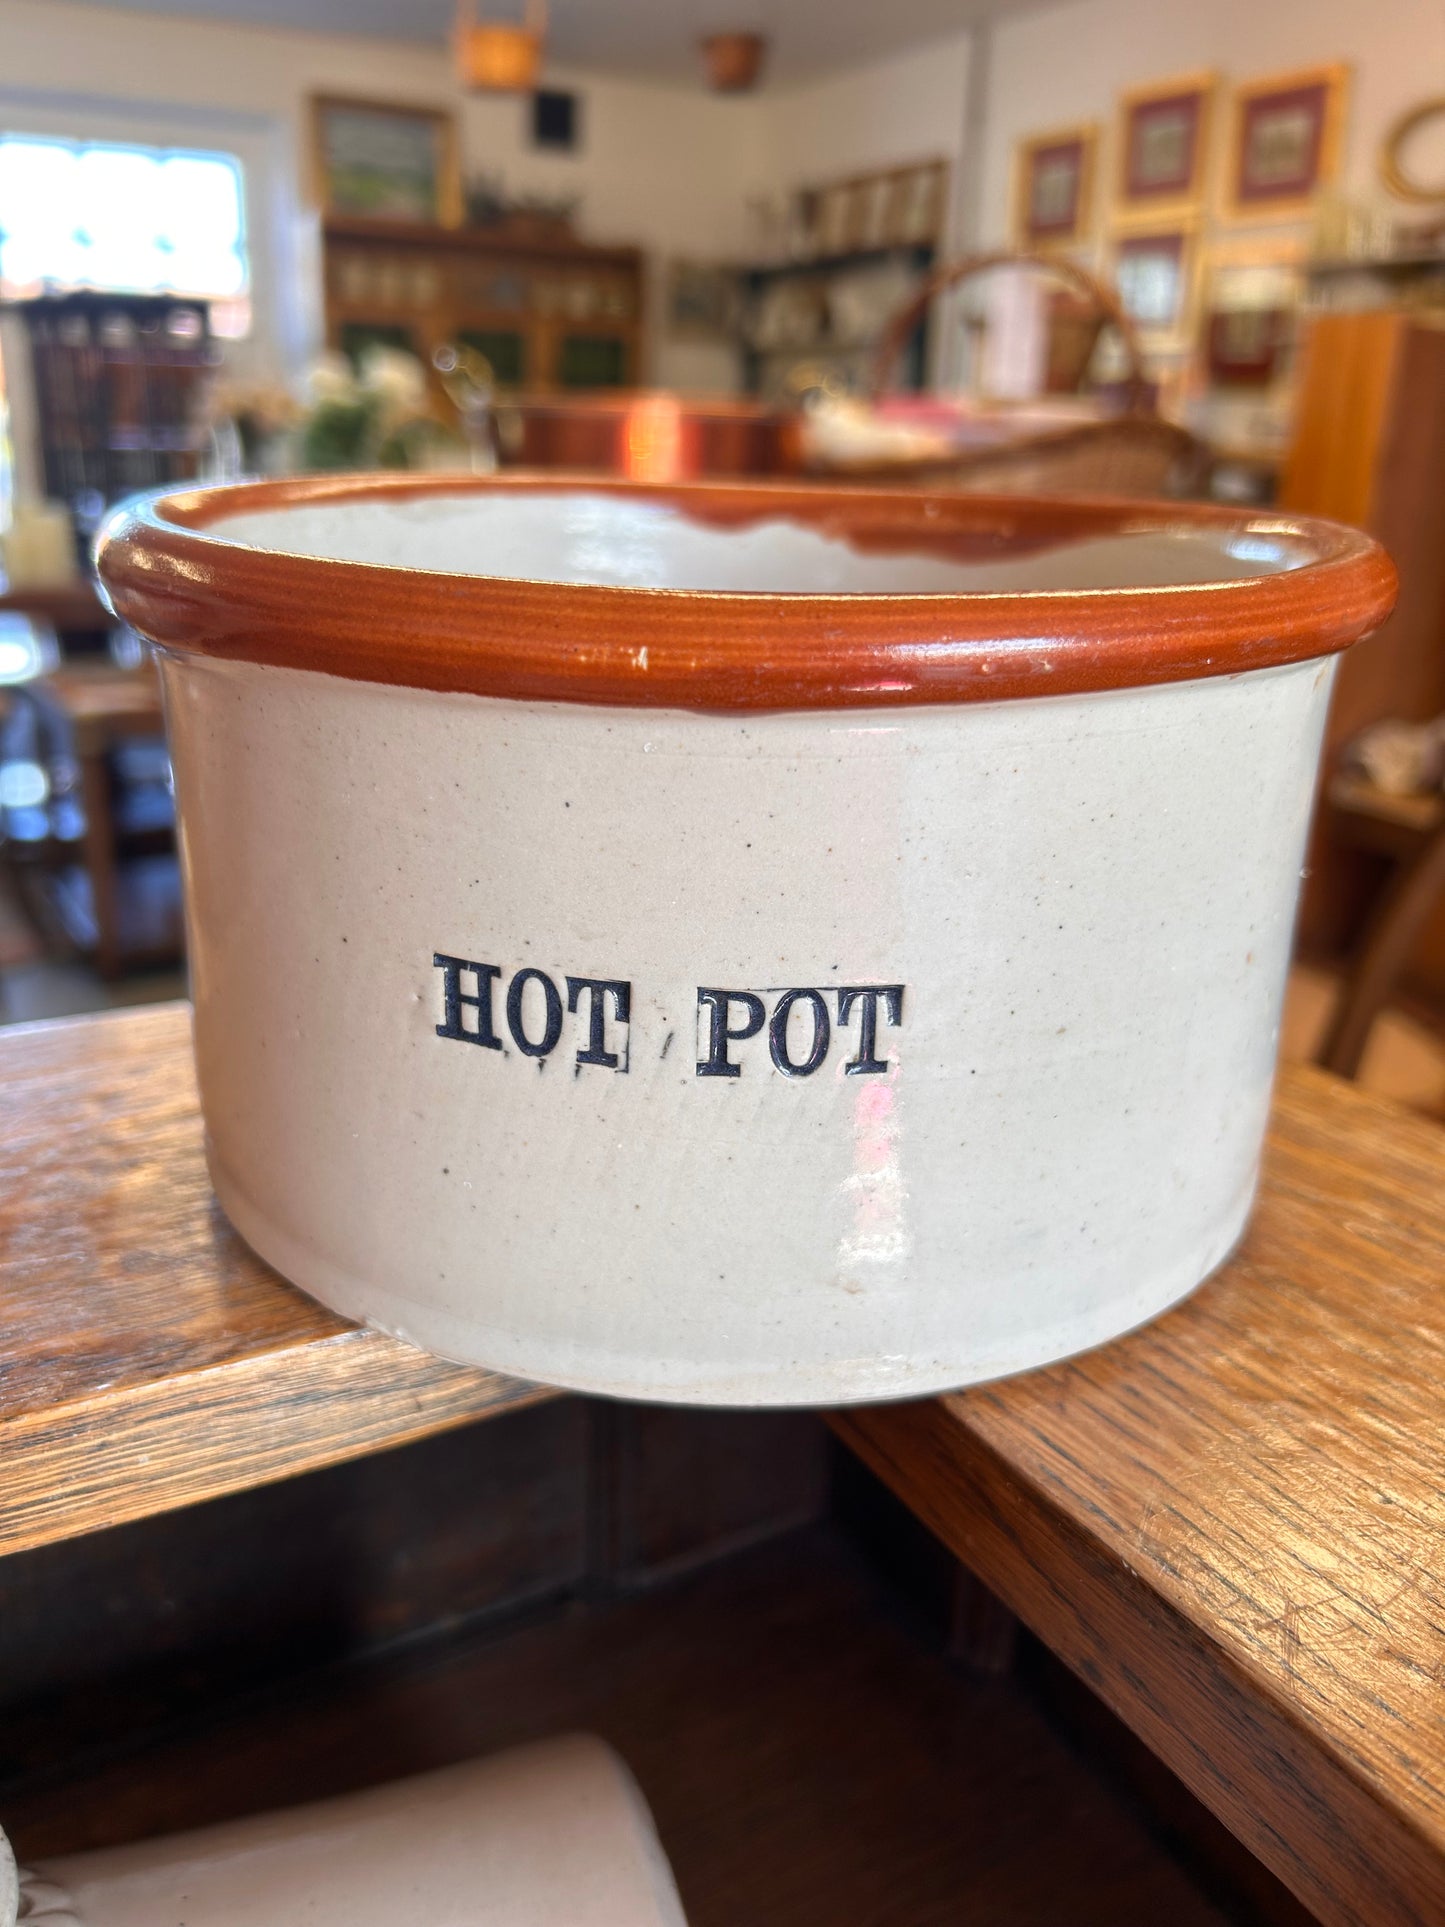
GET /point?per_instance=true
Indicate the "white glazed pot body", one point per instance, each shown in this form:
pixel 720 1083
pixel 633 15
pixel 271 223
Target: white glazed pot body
pixel 1085 901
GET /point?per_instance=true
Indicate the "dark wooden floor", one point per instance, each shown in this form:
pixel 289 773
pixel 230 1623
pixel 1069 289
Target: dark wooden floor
pixel 808 1756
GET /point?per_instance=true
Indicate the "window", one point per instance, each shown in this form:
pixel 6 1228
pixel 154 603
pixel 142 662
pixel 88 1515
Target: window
pixel 125 219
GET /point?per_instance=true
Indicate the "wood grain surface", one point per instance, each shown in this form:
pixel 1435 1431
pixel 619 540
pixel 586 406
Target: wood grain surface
pixel 147 1357
pixel 1232 1523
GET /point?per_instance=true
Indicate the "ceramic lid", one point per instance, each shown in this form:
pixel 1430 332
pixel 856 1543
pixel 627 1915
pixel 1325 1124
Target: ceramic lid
pixel 732 596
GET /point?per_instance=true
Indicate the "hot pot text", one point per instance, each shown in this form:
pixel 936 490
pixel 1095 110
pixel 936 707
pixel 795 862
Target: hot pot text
pixel 798 1025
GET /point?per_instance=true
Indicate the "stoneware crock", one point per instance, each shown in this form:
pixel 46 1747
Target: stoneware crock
pixel 757 945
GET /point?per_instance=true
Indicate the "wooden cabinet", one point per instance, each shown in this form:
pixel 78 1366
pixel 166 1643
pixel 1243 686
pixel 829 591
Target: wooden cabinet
pixel 104 390
pixel 649 437
pixel 1369 449
pixel 548 311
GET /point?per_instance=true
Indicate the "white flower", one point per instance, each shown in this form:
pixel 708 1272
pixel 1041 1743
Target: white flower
pixel 330 379
pixel 396 378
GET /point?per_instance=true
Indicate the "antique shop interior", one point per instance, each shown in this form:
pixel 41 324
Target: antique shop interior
pixel 909 542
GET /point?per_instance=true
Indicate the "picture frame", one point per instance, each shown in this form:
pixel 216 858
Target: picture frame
pixel 1244 347
pixel 799 222
pixel 916 214
pixel 1156 271
pixel 1285 144
pixel 1054 187
pixel 385 161
pixel 877 196
pixel 1397 176
pixel 704 301
pixel 1163 148
pixel 1251 304
pixel 833 224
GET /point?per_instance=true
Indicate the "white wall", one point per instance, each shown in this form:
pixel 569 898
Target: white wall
pixel 671 167
pixel 909 107
pixel 658 165
pixel 1070 62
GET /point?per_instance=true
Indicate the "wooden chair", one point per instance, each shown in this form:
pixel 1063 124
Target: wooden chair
pixel 1414 832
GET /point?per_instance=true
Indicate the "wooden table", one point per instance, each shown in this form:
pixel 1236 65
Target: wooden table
pixel 1231 1524
pixel 147 1359
pixel 1410 830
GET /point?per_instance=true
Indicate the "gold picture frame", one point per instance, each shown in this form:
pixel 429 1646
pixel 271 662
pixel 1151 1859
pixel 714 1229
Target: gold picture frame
pixel 920 195
pixel 835 220
pixel 1286 138
pixel 876 196
pixel 1053 187
pixel 1263 282
pixel 384 161
pixel 1163 138
pixel 704 301
pixel 1393 172
pixel 1157 271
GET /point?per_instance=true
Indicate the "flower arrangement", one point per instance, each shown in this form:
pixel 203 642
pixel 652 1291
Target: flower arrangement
pixel 373 416
pixel 244 424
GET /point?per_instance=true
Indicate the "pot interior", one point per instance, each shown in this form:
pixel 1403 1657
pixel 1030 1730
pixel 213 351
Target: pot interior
pixel 584 537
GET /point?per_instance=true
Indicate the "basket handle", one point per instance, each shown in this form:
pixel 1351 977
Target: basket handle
pixel 896 333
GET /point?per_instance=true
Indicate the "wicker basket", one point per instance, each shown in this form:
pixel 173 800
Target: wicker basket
pixel 1132 452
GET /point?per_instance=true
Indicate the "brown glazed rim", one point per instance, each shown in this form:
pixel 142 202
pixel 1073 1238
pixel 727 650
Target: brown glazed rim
pixel 185 589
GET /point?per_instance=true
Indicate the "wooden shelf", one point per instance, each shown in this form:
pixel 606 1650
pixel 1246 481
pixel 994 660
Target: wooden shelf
pixel 1381 264
pixel 1232 1523
pixel 147 1358
pixel 919 252
pixel 499 239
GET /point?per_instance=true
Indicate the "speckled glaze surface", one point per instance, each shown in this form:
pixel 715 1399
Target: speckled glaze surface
pixel 552 1833
pixel 753 1056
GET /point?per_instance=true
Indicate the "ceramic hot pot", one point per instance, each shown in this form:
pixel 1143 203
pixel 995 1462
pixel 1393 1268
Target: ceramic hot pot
pixel 748 944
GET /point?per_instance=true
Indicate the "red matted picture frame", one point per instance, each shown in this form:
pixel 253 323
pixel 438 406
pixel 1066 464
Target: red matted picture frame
pixel 1163 148
pixel 1250 309
pixel 1288 131
pixel 1054 187
pixel 1156 271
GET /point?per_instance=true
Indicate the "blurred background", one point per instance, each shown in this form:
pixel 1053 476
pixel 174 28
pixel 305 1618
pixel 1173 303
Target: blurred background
pixel 1153 247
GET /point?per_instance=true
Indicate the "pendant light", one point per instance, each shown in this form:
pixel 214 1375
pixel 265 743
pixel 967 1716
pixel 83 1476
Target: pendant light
pixel 501 56
pixel 735 60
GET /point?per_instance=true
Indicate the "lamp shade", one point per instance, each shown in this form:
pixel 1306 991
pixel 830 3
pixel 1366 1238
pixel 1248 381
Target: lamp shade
pixel 501 56
pixel 734 60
